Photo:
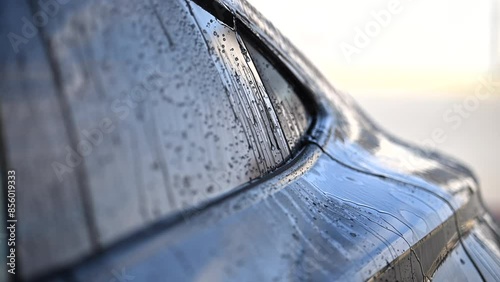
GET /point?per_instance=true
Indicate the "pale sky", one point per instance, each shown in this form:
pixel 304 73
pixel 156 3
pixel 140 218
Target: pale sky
pixel 435 42
pixel 427 58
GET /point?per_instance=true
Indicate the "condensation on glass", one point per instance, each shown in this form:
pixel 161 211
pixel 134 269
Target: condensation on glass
pixel 171 107
pixel 291 112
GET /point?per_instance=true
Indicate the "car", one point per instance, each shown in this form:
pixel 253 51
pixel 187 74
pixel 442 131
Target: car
pixel 188 140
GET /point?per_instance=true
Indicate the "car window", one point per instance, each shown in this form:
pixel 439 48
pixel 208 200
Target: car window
pixel 134 115
pixel 292 113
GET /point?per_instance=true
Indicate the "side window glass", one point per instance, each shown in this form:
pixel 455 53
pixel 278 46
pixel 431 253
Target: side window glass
pixel 291 112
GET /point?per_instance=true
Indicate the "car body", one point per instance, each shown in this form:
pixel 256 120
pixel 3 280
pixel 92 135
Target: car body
pixel 190 141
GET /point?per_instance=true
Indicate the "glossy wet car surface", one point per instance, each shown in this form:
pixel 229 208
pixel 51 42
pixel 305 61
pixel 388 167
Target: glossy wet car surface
pixel 189 141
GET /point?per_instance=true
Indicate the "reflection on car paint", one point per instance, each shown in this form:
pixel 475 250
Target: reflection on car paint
pixel 354 204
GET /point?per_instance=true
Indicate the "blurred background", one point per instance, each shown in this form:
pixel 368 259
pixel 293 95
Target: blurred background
pixel 416 67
